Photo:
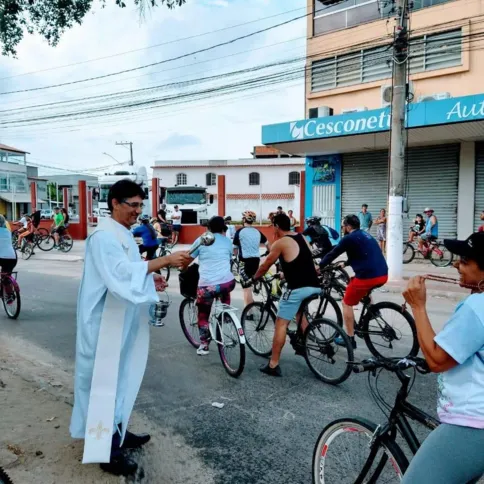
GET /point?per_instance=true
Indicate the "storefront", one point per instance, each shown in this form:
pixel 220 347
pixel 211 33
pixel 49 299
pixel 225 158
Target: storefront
pixel 347 162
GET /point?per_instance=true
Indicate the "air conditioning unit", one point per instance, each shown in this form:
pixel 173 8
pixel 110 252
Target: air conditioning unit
pixel 437 96
pixel 320 112
pixel 354 110
pixel 386 94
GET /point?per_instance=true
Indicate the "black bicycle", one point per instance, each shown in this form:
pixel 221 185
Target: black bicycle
pixel 328 361
pixel 387 328
pixel 355 450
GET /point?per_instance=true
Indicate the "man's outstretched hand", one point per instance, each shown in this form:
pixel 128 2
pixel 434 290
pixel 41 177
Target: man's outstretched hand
pixel 179 259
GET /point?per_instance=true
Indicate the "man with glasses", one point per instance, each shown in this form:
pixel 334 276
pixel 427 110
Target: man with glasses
pixel 116 290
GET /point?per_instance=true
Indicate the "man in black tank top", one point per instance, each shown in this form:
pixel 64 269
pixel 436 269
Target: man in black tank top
pixel 296 261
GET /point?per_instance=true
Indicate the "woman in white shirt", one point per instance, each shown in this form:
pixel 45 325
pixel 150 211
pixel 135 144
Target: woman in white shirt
pixel 454 452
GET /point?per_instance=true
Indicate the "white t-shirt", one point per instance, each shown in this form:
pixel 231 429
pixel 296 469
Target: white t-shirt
pixel 176 221
pixel 24 222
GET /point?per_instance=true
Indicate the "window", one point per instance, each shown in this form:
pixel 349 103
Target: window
pixel 254 178
pixel 294 178
pixel 211 179
pixel 181 179
pixel 427 53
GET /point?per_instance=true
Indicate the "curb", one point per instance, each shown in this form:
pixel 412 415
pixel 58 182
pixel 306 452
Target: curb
pixel 57 258
pixel 453 295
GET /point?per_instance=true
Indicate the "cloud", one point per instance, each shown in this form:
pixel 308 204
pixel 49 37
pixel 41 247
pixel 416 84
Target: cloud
pixel 177 140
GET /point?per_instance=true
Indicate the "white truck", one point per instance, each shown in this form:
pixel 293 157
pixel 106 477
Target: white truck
pixel 194 203
pixel 136 173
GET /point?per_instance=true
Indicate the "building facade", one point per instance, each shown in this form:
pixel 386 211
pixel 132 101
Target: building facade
pixel 345 135
pixel 258 184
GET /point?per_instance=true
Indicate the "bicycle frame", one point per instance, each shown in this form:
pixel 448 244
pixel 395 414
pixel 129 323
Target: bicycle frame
pixel 217 314
pixel 397 421
pixel 13 278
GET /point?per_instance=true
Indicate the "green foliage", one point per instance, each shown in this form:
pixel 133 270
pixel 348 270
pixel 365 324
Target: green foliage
pixel 51 18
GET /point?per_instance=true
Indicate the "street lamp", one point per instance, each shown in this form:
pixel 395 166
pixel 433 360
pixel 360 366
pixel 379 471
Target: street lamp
pixel 111 156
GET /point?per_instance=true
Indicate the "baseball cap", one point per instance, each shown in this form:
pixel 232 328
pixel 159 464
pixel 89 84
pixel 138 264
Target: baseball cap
pixel 217 224
pixel 471 248
pixel 428 209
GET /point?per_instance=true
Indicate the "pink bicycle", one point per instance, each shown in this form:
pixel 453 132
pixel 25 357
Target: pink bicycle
pixel 10 294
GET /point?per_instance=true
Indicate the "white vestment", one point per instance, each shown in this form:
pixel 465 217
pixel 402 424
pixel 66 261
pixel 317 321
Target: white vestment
pixel 112 337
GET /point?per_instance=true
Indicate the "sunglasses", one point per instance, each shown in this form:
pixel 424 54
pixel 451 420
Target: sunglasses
pixel 134 204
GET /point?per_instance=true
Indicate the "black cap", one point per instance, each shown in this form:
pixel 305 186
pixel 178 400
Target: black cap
pixel 471 248
pixel 217 224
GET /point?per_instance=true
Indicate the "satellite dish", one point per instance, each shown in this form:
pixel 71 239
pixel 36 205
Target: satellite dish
pixel 387 94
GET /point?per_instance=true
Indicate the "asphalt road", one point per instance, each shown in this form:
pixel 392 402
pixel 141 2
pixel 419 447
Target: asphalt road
pixel 268 427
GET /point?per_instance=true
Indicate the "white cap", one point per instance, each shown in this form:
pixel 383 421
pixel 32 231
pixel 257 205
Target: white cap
pixel 428 209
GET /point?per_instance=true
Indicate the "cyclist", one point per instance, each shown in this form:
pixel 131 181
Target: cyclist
pixel 58 227
pixel 368 263
pixel 431 231
pixel 230 234
pixel 65 214
pixel 8 256
pixel 149 236
pixel 322 236
pixel 247 241
pixel 452 453
pixel 418 228
pixel 159 234
pixel 296 261
pixel 293 220
pixel 216 278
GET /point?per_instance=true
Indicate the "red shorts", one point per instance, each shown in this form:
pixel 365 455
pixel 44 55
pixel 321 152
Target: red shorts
pixel 358 288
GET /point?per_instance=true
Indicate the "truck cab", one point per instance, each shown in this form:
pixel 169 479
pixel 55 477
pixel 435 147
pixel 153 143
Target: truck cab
pixel 194 203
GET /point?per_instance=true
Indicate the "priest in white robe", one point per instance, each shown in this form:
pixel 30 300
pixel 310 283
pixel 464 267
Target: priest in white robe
pixel 112 342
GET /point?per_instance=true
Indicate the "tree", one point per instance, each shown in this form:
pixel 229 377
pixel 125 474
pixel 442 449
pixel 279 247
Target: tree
pixel 51 18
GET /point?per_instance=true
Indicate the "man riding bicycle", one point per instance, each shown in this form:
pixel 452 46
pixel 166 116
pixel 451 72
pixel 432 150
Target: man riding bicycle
pixel 431 231
pixel 296 261
pixel 321 236
pixel 367 261
pixel 58 227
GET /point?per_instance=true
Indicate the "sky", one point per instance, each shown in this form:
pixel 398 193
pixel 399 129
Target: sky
pixel 218 127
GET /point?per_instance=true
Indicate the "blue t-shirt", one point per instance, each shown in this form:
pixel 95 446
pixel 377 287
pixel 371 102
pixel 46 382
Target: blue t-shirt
pixel 146 233
pixel 364 255
pixel 461 389
pixel 248 239
pixel 214 261
pixel 365 219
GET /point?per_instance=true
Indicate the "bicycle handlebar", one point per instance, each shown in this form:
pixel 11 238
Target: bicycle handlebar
pixel 393 365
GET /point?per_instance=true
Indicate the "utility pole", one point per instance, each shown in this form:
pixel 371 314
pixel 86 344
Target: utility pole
pixel 398 142
pixel 130 143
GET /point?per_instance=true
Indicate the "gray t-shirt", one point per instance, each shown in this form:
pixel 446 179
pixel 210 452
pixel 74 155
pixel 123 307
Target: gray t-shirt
pixel 248 240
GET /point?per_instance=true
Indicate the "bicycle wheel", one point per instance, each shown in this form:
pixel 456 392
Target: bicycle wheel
pixel 4 478
pixel 343 448
pixel 389 331
pixel 189 321
pixel 11 298
pixel 440 256
pixel 43 232
pixel 66 243
pixel 27 251
pixel 46 243
pixel 259 324
pixel 231 350
pixel 324 306
pixel 327 360
pixel 408 253
pixel 234 267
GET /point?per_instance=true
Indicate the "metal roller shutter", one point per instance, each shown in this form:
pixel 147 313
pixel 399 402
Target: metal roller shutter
pixel 364 179
pixel 433 175
pixel 479 200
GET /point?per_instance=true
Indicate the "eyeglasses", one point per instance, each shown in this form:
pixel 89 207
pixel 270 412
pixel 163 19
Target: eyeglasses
pixel 134 204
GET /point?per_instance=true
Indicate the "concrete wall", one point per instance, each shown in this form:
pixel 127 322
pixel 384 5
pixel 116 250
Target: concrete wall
pixel 459 81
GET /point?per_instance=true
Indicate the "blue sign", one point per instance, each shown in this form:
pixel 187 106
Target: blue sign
pixel 448 111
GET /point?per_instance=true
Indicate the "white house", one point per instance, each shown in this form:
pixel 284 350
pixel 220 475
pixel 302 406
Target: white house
pixel 258 184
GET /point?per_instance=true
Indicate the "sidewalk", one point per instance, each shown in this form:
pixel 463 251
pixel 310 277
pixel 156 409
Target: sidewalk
pixel 35 445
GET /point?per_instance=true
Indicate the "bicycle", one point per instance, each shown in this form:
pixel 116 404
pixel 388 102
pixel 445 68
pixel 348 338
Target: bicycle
pixel 4 478
pixel 376 454
pixel 328 361
pixel 10 294
pixel 161 252
pixel 376 324
pixel 225 330
pixel 435 251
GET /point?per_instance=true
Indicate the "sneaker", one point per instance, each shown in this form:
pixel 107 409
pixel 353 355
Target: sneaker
pixel 271 371
pixel 341 342
pixel 203 350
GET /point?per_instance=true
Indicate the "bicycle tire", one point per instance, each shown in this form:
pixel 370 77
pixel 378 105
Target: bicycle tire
pixel 190 328
pixel 236 369
pixel 46 243
pixel 408 253
pixel 4 477
pixel 66 243
pixel 392 460
pixel 375 309
pixel 27 251
pixel 441 261
pixel 265 348
pixel 322 309
pixel 43 232
pixel 315 339
pixel 9 308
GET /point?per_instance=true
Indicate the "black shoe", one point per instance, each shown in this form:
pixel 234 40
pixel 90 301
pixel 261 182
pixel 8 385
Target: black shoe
pixel 135 441
pixel 120 465
pixel 271 371
pixel 299 349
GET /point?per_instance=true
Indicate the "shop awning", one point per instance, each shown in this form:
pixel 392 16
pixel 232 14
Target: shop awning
pixel 450 120
pixel 17 198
